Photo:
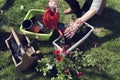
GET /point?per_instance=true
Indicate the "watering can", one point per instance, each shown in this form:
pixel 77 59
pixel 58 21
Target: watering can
pixel 51 17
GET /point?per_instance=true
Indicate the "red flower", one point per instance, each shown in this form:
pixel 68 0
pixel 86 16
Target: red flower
pixel 95 43
pixel 56 52
pixel 63 47
pixel 79 74
pixel 67 70
pixel 59 58
pixel 64 52
pixel 69 54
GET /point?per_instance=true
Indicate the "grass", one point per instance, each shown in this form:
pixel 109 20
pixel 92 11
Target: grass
pixel 106 34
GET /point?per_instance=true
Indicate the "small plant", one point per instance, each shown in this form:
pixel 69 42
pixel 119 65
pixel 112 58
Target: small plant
pixel 68 65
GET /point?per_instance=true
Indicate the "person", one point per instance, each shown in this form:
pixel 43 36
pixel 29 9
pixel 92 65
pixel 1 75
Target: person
pixel 89 9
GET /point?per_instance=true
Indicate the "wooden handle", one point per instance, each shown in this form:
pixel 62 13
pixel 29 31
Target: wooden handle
pixel 17 40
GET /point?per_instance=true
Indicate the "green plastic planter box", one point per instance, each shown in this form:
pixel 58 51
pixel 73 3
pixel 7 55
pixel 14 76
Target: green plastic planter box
pixel 42 36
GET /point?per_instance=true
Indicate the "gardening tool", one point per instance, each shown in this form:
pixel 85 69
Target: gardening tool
pixel 51 16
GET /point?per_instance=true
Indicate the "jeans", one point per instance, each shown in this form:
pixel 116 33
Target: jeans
pixel 75 6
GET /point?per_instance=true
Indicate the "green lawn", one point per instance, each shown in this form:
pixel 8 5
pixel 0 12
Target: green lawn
pixel 106 34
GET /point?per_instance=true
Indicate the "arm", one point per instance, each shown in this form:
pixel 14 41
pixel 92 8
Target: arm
pixel 95 6
pixel 70 31
pixel 87 15
pixel 74 26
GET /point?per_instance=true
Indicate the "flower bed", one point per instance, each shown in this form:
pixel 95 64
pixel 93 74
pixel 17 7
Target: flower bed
pixel 63 64
pixel 69 67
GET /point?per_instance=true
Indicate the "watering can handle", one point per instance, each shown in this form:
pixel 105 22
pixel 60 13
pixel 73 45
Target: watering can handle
pixel 59 31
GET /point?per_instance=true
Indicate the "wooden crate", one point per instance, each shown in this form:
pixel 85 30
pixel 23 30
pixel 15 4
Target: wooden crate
pixel 22 54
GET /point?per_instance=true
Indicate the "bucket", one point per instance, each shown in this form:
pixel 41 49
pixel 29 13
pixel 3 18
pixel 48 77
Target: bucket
pixel 42 36
pixel 32 26
pixel 27 24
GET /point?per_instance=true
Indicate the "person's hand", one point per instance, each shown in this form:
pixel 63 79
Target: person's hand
pixel 72 29
pixel 79 21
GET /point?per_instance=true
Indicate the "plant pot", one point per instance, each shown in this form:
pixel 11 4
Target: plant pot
pixel 34 31
pixel 77 39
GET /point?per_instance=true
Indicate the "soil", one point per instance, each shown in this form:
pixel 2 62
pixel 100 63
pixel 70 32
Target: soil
pixel 67 43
